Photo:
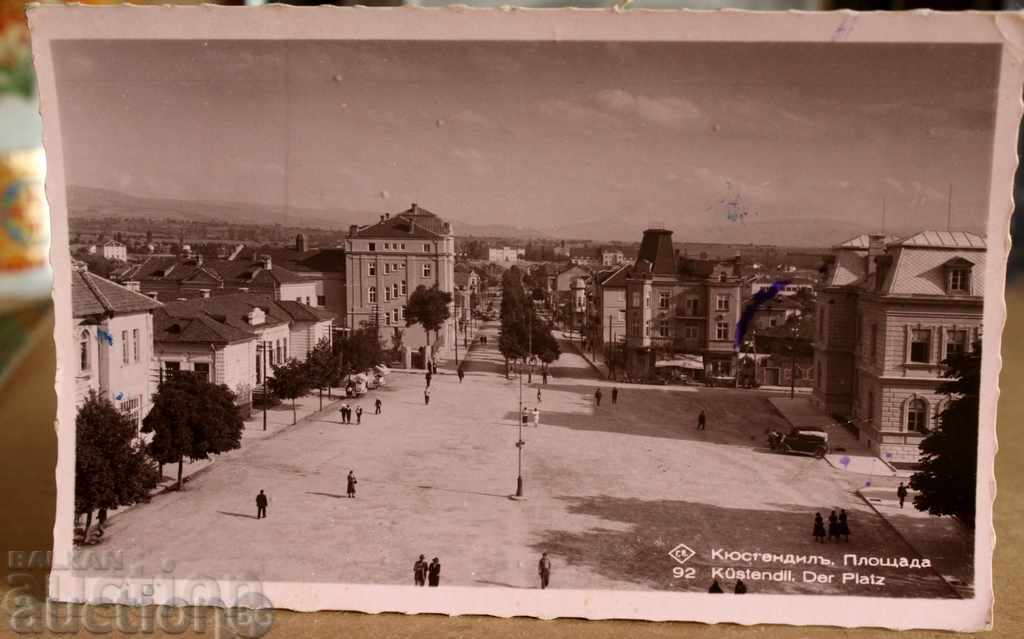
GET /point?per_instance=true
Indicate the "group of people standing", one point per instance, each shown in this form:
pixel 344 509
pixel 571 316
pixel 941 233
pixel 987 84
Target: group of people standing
pixel 598 395
pixel 838 527
pixel 424 573
pixel 716 588
pixel 347 411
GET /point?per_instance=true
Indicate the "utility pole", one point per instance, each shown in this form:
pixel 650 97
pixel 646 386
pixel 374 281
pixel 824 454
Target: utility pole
pixel 456 341
pixel 611 371
pixel 792 365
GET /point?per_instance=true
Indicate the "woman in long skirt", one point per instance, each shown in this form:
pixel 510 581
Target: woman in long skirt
pixel 833 526
pixel 844 526
pixel 819 528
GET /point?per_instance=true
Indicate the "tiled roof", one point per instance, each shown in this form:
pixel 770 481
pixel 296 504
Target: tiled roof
pixel 863 240
pixel 945 239
pixel 304 313
pixel 195 328
pixel 847 269
pixel 232 310
pixel 616 278
pixel 93 295
pixel 230 272
pixel 918 270
pixel 323 260
pixel 415 222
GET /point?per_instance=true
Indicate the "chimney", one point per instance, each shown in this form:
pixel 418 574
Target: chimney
pixel 199 259
pixel 265 261
pixel 353 229
pixel 415 209
pixel 876 248
pixel 387 216
pixel 382 218
pixel 656 248
pixel 204 293
pixel 412 226
pixel 300 242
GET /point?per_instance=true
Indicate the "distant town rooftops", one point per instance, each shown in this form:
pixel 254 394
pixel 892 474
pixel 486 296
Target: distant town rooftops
pixel 235 272
pixel 93 295
pixel 317 260
pixel 415 222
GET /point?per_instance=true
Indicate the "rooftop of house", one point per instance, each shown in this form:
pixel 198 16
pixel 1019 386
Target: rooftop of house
pixel 232 310
pixel 317 260
pixel 195 328
pixel 93 295
pixel 246 272
pixel 415 222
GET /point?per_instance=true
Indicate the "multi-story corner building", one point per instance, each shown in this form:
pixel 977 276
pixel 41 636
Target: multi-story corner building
pixel 889 313
pixel 609 299
pixel 680 307
pixel 113 328
pixel 386 261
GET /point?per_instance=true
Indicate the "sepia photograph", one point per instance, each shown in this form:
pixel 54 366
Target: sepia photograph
pixel 531 323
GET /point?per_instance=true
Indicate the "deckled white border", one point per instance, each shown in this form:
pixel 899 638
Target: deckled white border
pixel 275 22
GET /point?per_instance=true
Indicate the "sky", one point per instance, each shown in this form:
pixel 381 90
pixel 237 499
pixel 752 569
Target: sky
pixel 549 136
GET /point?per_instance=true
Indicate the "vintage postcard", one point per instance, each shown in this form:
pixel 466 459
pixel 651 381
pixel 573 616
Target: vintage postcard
pixel 601 314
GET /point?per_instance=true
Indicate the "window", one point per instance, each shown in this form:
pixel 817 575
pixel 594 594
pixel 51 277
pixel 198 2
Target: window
pixel 426 248
pixel 691 332
pixel 284 345
pixel 636 299
pixel 124 347
pixel 172 367
pixel 917 415
pixel 874 343
pixel 956 341
pixel 403 246
pixel 387 268
pixel 394 315
pixel 387 293
pixel 372 266
pixel 920 345
pixel 405 287
pixel 373 246
pixel 83 352
pixel 663 329
pixel 259 363
pixel 202 370
pixel 135 345
pixel 692 306
pixel 387 319
pixel 959 280
pixel 321 300
pixel 722 330
pixel 721 302
pixel 372 295
pixel 723 276
pixel 130 407
pixel 394 290
pixel 664 299
pixel 280 353
pixel 427 271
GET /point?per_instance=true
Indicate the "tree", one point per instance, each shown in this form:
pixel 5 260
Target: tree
pixel 947 478
pixel 323 368
pixel 192 417
pixel 360 351
pixel 290 381
pixel 428 307
pixel 111 467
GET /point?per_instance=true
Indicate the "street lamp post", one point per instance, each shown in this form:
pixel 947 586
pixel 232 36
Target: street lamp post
pixel 520 495
pixel 261 352
pixel 456 341
pixel 792 363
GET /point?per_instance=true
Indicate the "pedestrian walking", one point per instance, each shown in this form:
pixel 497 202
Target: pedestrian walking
pixel 536 417
pixel 524 418
pixel 351 488
pixel 741 588
pixel 461 374
pixel 615 395
pixel 434 572
pixel 538 394
pixel 702 421
pixel 844 526
pixel 819 528
pixel 715 587
pixel 359 414
pixel 419 571
pixel 428 376
pixel 348 413
pixel 426 396
pixel 544 374
pixel 377 404
pixel 901 493
pixel 833 526
pixel 597 397
pixel 261 506
pixel 544 570
pixel 434 366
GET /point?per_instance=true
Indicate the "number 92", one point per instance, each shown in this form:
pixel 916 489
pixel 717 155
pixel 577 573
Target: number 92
pixel 684 573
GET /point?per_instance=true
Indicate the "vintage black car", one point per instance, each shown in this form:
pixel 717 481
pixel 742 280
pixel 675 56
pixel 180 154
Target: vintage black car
pixel 806 441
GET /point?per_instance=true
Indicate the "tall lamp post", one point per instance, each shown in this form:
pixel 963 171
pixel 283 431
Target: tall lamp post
pixel 261 353
pixel 792 362
pixel 519 495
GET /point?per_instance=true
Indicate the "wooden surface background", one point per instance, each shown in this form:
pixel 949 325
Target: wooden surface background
pixel 28 457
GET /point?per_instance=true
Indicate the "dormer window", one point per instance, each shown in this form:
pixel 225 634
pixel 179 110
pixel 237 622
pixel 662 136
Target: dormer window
pixel 958 276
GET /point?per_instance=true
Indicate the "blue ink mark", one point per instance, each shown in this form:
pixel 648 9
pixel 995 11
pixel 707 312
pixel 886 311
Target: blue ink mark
pixel 760 298
pixel 104 336
pixel 119 396
pixel 845 461
pixel 867 483
pixel 844 29
pixel 888 455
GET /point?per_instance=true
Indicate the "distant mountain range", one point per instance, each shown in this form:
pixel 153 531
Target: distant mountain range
pixel 90 202
pixel 86 202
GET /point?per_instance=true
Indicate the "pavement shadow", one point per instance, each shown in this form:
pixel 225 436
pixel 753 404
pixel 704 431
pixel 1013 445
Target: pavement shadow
pixel 243 515
pixel 313 492
pixel 639 551
pixel 653 412
pixel 500 584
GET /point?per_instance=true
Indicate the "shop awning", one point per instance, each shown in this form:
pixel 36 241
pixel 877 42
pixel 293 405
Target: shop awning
pixel 689 362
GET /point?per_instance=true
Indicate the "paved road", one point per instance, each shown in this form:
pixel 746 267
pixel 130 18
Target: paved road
pixel 610 489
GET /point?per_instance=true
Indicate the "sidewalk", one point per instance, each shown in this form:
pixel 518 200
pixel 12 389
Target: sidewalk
pixel 942 540
pixel 848 453
pixel 596 363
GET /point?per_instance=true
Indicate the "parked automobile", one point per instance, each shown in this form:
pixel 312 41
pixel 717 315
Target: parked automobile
pixel 804 441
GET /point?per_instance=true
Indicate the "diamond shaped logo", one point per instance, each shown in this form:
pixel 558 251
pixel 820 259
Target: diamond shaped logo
pixel 681 553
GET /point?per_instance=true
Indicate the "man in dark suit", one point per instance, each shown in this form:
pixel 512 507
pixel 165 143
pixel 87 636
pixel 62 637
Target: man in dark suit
pixel 261 506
